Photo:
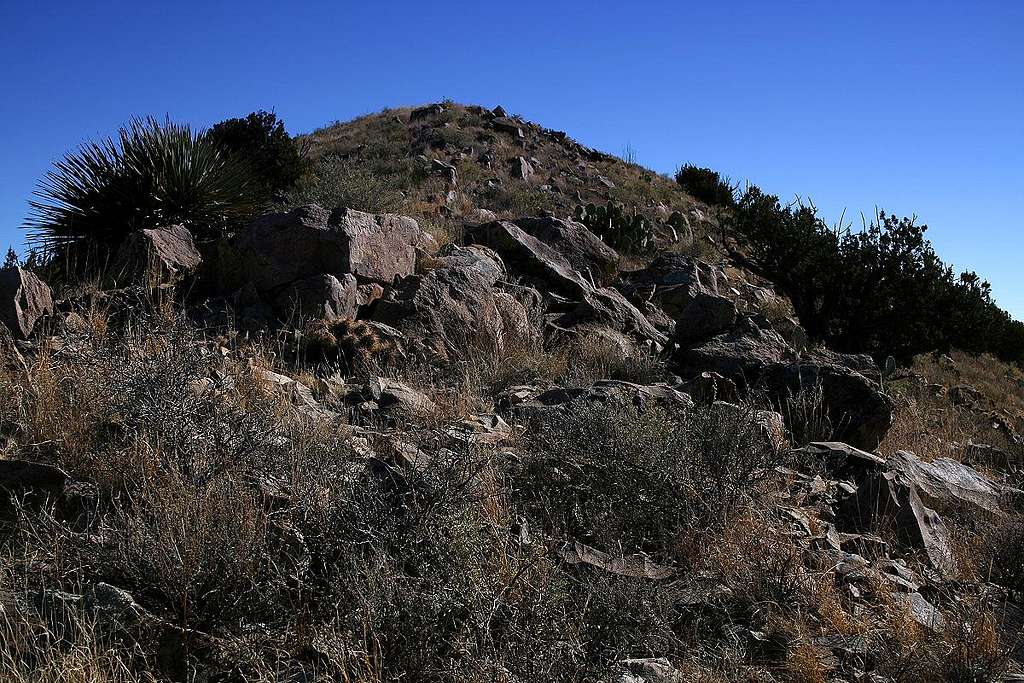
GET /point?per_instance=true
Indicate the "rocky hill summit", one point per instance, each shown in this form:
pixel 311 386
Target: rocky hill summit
pixel 467 400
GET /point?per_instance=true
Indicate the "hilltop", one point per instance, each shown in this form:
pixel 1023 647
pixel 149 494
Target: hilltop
pixel 440 394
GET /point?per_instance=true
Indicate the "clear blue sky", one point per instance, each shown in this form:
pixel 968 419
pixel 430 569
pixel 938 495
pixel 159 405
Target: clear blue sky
pixel 916 107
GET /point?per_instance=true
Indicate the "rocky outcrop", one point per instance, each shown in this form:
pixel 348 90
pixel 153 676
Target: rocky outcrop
pixel 753 356
pixel 859 411
pixel 742 354
pixel 947 482
pixel 392 395
pixel 319 296
pixel 581 301
pixel 586 252
pixel 280 249
pixel 888 499
pixel 24 299
pixel 155 257
pixel 687 290
pixel 458 305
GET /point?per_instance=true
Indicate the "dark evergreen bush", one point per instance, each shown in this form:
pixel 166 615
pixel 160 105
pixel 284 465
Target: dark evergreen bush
pixel 882 290
pixel 261 141
pixel 706 185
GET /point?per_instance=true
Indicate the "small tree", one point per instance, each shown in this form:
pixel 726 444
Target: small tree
pixel 261 141
pixel 706 185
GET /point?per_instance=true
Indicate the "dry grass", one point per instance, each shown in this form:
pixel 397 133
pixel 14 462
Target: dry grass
pixel 283 547
pixel 930 423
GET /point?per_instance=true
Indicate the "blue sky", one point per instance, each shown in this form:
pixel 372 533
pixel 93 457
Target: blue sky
pixel 914 107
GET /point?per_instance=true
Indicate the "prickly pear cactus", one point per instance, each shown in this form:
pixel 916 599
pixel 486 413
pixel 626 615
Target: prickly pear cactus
pixel 618 228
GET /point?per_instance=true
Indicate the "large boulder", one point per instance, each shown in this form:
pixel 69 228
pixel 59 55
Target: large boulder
pixel 742 354
pixel 24 299
pixel 945 481
pixel 687 290
pixel 887 499
pixel 458 305
pixel 531 257
pixel 319 296
pixel 860 412
pixel 608 307
pixel 392 395
pixel 282 248
pixel 757 357
pixel 155 256
pixel 586 252
pixel 582 303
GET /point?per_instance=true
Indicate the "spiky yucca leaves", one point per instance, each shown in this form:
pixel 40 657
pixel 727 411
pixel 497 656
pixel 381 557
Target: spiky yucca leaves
pixel 154 174
pixel 350 342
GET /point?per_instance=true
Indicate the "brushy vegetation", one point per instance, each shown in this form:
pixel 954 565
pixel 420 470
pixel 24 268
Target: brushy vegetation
pixel 882 290
pixel 334 182
pixel 706 185
pixel 218 509
pixel 257 544
pixel 155 174
pixel 261 142
pixel 218 527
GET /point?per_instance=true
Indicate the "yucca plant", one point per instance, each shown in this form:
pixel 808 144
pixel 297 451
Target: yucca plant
pixel 155 174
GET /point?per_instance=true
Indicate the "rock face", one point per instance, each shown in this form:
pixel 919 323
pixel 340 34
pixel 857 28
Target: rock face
pixel 547 267
pixel 687 290
pixel 390 394
pixel 507 125
pixel 458 305
pixel 741 354
pixel 860 413
pixel 895 494
pixel 889 499
pixel 948 481
pixel 586 252
pixel 521 168
pixel 24 299
pixel 280 249
pixel 319 296
pixel 156 256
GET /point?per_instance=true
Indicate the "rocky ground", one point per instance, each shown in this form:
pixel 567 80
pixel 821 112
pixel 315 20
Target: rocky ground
pixel 469 443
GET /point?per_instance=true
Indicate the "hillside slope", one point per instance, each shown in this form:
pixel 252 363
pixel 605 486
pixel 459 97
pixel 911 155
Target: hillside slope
pixel 420 423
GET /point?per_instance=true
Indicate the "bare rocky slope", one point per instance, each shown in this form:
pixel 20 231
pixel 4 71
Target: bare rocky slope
pixel 435 428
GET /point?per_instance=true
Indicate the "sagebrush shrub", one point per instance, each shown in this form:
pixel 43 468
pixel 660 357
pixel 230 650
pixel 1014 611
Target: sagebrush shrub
pixel 614 475
pixel 335 182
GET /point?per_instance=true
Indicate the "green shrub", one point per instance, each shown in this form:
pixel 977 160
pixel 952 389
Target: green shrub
pixel 882 290
pixel 706 185
pixel 261 141
pixel 155 174
pixel 337 182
